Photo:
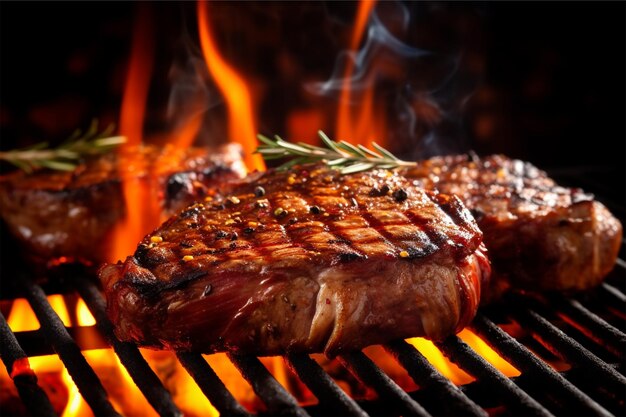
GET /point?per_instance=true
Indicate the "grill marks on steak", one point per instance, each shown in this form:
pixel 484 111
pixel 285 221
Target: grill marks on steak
pixel 540 236
pixel 305 260
pixel 57 214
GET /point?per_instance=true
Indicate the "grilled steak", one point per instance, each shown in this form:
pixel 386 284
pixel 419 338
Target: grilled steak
pixel 305 260
pixel 540 236
pixel 57 214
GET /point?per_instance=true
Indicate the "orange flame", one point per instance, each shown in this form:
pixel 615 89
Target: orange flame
pixel 453 372
pixel 142 210
pixel 138 78
pixel 241 124
pixel 76 406
pixel 370 126
pixel 126 397
pixel 184 136
pixel 360 123
pixel 488 353
pixel 304 124
pixel 22 318
pixel 440 362
pixel 141 201
pixel 350 126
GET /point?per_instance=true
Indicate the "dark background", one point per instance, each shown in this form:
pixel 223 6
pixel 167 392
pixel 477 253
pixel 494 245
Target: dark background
pixel 540 81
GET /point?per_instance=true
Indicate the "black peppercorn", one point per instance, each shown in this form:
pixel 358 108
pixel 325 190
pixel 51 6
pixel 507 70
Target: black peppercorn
pixel 259 191
pixel 400 195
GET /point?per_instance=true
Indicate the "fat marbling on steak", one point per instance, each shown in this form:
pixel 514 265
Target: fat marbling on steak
pixel 540 236
pixel 302 260
pixel 56 214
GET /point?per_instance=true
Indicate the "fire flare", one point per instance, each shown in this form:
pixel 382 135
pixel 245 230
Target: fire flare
pixel 361 123
pixel 241 124
pixel 142 211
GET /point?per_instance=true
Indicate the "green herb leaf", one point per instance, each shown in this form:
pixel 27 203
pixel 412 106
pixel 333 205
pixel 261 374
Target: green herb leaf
pixel 66 156
pixel 344 156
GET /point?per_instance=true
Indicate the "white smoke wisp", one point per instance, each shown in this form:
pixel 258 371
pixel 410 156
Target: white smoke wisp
pixel 381 48
pixel 193 92
pixel 418 86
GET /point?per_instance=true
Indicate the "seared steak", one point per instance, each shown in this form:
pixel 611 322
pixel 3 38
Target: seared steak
pixel 304 260
pixel 540 236
pixel 57 214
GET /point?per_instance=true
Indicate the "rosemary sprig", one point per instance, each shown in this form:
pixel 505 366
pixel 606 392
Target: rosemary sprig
pixel 66 156
pixel 341 155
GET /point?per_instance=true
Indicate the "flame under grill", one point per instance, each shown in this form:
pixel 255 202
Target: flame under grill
pixel 593 386
pixel 586 331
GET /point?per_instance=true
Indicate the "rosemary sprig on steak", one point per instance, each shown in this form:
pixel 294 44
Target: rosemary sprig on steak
pixel 66 156
pixel 345 157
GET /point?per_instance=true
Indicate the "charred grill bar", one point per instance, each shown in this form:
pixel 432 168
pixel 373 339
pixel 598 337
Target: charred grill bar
pixel 129 354
pixel 26 382
pixel 55 332
pixel 554 394
pixel 515 353
pixel 423 373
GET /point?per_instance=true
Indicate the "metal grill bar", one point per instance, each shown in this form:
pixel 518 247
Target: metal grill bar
pixel 33 397
pixel 211 385
pixel 371 375
pixel 452 399
pixel 567 348
pixel 275 397
pixel 83 375
pixel 531 366
pixel 129 354
pixel 322 385
pixel 461 354
pixel 35 343
pixel 601 331
pixel 614 294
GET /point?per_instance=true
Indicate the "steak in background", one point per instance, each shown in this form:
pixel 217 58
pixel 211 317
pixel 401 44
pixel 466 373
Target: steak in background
pixel 55 214
pixel 302 260
pixel 539 236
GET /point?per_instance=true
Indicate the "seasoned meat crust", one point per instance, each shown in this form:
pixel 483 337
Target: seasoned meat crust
pixel 304 260
pixel 57 214
pixel 540 236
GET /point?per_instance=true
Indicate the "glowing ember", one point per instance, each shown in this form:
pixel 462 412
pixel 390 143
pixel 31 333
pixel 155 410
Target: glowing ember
pixel 21 367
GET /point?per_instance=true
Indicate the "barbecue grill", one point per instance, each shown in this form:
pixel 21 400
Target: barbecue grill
pixel 587 331
pixel 584 330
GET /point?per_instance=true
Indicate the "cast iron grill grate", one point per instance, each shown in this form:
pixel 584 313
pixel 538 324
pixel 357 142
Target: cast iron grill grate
pixel 586 331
